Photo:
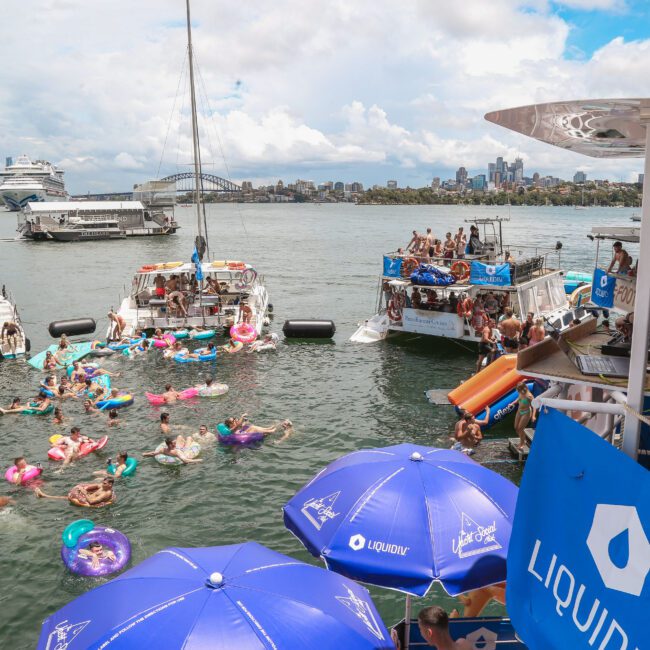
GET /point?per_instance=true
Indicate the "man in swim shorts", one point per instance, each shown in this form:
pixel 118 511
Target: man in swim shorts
pixel 467 432
pixel 86 494
pixel 159 284
pixel 510 328
pixel 10 335
pixel 170 395
pixel 117 325
pixel 71 444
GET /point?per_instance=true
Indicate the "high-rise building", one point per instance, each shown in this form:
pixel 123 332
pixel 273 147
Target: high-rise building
pixel 492 168
pixel 461 176
pixel 435 183
pixel 391 185
pixel 640 179
pixel 339 186
pixel 247 186
pixel 478 182
pixel 579 177
pixel 518 170
pixel 500 168
pixel 356 187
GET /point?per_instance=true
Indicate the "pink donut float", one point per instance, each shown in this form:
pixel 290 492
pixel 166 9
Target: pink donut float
pixel 31 472
pixel 243 332
pixel 166 341
pixel 157 400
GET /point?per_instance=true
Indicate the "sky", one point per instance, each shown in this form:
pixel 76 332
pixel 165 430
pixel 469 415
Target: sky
pixel 366 90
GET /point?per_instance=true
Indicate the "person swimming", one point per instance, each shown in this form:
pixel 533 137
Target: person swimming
pixel 174 447
pixel 86 494
pixel 232 346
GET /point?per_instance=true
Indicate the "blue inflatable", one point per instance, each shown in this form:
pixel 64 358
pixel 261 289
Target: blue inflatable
pixel 183 357
pixel 202 334
pixel 500 410
pixel 124 346
pixel 207 355
pixel 429 275
pixel 180 334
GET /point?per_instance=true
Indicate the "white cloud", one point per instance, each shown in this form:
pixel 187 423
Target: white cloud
pixel 361 87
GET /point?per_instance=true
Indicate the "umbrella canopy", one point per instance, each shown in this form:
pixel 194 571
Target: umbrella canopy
pixel 243 596
pixel 406 516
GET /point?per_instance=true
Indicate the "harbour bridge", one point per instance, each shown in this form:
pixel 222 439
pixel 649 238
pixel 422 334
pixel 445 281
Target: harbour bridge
pixel 184 183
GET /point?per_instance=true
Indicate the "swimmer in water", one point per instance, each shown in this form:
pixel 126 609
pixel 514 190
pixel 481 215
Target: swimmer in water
pixel 90 408
pixel 232 346
pixel 21 467
pixel 96 552
pixel 174 447
pixel 58 416
pixel 14 407
pixel 204 435
pixel 120 466
pixel 113 418
pixel 170 395
pixel 86 494
pixel 241 425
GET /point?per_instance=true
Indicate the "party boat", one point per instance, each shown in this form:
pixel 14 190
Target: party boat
pixel 527 284
pixel 208 294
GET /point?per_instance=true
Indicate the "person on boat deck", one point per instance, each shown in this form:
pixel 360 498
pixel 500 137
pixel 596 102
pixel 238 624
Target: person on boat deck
pixel 212 286
pixel 524 336
pixel 387 291
pixel 449 247
pixel 245 312
pixel 620 258
pixel 625 325
pixel 461 243
pixel 491 305
pixel 438 251
pixel 159 285
pixel 430 239
pixel 487 345
pixel 176 302
pixel 86 494
pixel 510 328
pixel 10 335
pixel 416 298
pixel 525 412
pixel 537 333
pixel 432 298
pixel 117 325
pixel 467 432
pixel 172 284
pixel 411 247
pixel 433 623
pixel 475 244
pixel 174 447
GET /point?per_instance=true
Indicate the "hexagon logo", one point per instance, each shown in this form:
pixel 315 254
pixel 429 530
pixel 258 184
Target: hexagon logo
pixel 490 270
pixel 357 542
pixel 482 639
pixel 604 279
pixel 620 548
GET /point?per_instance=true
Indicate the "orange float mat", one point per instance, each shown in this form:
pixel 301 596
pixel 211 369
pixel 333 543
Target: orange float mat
pixel 487 386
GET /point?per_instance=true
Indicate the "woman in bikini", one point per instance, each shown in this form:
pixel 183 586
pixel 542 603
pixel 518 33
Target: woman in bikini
pixel 525 412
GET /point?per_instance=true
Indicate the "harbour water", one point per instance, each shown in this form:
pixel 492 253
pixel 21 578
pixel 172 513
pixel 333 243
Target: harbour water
pixel 319 261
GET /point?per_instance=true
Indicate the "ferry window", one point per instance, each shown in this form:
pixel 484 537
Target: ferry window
pixel 556 292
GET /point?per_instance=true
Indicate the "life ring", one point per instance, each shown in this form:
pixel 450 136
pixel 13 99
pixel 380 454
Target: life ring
pixel 147 268
pixel 246 280
pixel 237 266
pixel 394 310
pixel 460 270
pixel 243 332
pixel 131 465
pixel 580 296
pixel 409 265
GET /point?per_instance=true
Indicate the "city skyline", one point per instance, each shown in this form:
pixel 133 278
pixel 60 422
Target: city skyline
pixel 388 103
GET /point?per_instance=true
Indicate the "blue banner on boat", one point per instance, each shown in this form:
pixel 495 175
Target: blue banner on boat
pixel 496 275
pixel 602 289
pixel 579 554
pixel 197 265
pixel 392 267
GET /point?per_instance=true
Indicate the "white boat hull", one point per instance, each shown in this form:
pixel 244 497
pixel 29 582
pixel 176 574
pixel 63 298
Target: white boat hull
pixel 17 199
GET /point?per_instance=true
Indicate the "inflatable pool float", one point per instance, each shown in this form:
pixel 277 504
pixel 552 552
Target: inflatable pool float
pixel 124 346
pixel 226 437
pixel 56 453
pixel 207 355
pixel 167 340
pixel 190 452
pixel 80 534
pixel 99 349
pixel 213 391
pixel 33 411
pixel 115 402
pixel 180 334
pixel 46 391
pixel 184 357
pixel 158 400
pixel 81 349
pixel 243 332
pixel 507 404
pixel 200 335
pixel 129 470
pixel 31 472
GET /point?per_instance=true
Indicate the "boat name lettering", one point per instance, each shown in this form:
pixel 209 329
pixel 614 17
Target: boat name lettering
pixel 562 585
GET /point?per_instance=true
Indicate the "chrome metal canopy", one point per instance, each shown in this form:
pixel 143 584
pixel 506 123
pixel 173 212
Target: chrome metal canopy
pixel 602 128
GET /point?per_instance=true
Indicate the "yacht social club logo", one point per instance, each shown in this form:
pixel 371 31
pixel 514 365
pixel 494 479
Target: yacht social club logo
pixel 320 511
pixel 358 542
pixel 474 539
pixel 483 639
pixel 362 610
pixel 64 634
pixel 620 550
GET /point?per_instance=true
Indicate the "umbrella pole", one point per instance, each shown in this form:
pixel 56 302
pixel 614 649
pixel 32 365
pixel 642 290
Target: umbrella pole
pixel 407 619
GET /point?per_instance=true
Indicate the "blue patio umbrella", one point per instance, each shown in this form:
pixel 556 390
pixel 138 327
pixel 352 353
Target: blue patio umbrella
pixel 406 516
pixel 243 596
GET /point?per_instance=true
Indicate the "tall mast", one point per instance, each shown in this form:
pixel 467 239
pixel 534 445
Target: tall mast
pixel 195 130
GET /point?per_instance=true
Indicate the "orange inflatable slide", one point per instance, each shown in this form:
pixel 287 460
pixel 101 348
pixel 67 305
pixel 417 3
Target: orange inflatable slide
pixel 487 386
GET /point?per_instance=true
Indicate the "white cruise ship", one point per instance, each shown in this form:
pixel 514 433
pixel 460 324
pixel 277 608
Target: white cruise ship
pixel 24 181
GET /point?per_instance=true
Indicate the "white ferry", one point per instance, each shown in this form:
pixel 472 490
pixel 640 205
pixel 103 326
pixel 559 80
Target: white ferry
pixel 491 277
pixel 24 181
pixel 146 308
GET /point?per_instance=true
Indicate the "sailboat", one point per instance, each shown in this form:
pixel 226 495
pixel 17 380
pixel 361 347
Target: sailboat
pixel 582 205
pixel 198 293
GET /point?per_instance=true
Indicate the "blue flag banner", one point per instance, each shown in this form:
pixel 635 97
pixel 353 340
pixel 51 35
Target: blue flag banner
pixel 579 553
pixel 197 265
pixel 392 267
pixel 602 289
pixel 496 275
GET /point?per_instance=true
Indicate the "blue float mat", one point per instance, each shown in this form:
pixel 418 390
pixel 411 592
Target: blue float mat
pixel 81 349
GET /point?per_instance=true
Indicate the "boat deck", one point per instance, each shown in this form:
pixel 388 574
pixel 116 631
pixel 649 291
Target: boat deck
pixel 554 360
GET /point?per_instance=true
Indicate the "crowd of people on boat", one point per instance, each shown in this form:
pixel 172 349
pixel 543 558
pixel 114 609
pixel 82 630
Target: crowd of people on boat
pixel 426 248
